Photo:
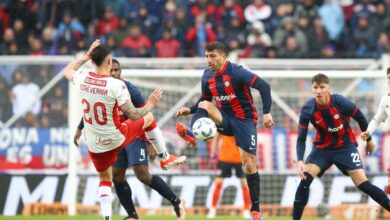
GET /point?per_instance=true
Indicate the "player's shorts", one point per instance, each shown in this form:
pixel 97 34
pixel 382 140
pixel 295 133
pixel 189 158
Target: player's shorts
pixel 133 154
pixel 345 158
pixel 226 168
pixel 131 129
pixel 243 130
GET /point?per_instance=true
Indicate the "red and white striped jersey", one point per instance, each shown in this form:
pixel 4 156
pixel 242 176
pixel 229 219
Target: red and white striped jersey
pixel 101 96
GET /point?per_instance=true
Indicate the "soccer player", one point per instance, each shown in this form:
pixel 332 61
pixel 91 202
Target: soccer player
pixel 135 155
pixel 334 143
pixel 234 114
pixel 101 97
pixel 381 115
pixel 224 149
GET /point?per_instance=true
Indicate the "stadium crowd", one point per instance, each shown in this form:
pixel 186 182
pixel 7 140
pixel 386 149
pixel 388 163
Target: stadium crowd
pixel 176 28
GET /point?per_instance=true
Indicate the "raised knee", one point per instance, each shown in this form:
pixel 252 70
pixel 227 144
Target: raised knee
pixel 249 165
pixel 204 105
pixel 144 178
pixel 118 179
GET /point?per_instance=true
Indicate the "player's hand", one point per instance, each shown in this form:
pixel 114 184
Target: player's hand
pixel 155 97
pixel 151 151
pixel 95 44
pixel 370 147
pixel 77 137
pixel 267 120
pixel 301 167
pixel 183 111
pixel 364 135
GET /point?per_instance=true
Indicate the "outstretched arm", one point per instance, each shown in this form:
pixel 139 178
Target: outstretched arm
pixel 75 65
pixel 134 113
pixel 301 144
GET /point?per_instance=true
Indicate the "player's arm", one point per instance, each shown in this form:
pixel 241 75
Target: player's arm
pixel 134 113
pixel 301 143
pixel 379 117
pixel 75 65
pixel 77 135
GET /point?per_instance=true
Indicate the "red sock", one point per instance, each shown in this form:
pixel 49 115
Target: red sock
pixel 216 193
pixel 246 196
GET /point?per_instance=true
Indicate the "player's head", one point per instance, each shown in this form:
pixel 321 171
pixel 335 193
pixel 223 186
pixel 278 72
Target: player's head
pixel 101 56
pixel 116 69
pixel 320 88
pixel 216 53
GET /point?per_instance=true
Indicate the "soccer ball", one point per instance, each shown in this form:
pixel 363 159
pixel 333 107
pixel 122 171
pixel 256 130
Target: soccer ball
pixel 204 129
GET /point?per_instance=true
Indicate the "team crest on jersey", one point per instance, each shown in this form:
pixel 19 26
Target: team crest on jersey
pixel 336 116
pixel 227 83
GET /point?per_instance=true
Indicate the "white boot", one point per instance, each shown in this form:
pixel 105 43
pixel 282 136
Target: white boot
pixel 246 214
pixel 212 213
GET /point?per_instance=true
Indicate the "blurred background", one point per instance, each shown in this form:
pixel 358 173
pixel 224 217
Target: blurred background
pixel 160 43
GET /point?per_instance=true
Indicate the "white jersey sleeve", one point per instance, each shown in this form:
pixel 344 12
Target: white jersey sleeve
pixel 381 115
pixel 121 94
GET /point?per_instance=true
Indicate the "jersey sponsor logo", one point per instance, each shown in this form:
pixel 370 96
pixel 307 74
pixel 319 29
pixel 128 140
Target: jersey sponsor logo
pixel 95 82
pixel 103 141
pixel 225 97
pixel 336 116
pixel 227 83
pixel 336 129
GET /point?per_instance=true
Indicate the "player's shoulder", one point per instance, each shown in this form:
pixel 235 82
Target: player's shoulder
pixel 308 107
pixel 338 98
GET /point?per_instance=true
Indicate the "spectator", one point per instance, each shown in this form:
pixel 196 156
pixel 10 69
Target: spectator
pixel 108 24
pixel 333 24
pixel 181 25
pixel 364 39
pixel 130 9
pixel 384 16
pixel 258 11
pixel 383 45
pixel 229 10
pixel 36 47
pixel 20 33
pixel 4 101
pixel 70 30
pixel 258 42
pixel 48 38
pixel 205 7
pixel 8 38
pixel 329 51
pixel 122 31
pixel 136 44
pixel 147 22
pixel 363 9
pixel 282 11
pixel 23 95
pixel 117 6
pixel 307 8
pixel 198 36
pixel 292 49
pixel 167 46
pixel 112 43
pixel 288 29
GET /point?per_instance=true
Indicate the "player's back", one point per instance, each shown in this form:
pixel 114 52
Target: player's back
pixel 228 150
pixel 101 96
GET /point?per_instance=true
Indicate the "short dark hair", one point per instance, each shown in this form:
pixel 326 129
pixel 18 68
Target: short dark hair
pixel 320 78
pixel 99 54
pixel 216 45
pixel 115 61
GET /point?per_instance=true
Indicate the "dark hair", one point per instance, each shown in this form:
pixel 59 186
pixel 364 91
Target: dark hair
pixel 216 45
pixel 388 70
pixel 99 54
pixel 320 78
pixel 115 61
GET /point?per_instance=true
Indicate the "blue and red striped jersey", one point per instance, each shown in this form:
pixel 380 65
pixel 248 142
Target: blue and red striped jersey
pixel 331 122
pixel 231 90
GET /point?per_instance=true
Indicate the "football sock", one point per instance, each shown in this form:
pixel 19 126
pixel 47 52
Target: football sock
pixel 200 113
pixel 246 196
pixel 254 190
pixel 164 190
pixel 302 196
pixel 105 198
pixel 155 137
pixel 123 192
pixel 376 194
pixel 216 194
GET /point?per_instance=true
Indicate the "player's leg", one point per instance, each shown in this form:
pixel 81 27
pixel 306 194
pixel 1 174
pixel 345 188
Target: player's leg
pixel 302 193
pixel 122 187
pixel 207 109
pixel 360 180
pixel 245 190
pixel 104 193
pixel 155 137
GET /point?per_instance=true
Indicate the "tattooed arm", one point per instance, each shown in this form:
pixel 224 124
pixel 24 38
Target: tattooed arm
pixel 134 113
pixel 73 66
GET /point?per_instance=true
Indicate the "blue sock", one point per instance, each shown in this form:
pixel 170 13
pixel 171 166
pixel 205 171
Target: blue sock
pixel 200 113
pixel 165 191
pixel 302 196
pixel 376 194
pixel 124 194
pixel 254 190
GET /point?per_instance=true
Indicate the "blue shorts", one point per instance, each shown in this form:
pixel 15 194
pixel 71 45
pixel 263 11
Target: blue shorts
pixel 243 130
pixel 134 154
pixel 345 158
